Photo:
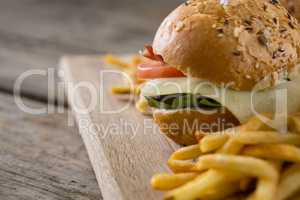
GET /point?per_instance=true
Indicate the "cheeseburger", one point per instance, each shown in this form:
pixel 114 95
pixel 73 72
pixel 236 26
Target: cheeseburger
pixel 214 63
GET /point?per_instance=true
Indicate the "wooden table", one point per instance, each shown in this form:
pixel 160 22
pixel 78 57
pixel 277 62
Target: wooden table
pixel 41 156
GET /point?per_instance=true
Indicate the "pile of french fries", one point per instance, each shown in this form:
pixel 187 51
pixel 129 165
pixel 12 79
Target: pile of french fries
pixel 252 162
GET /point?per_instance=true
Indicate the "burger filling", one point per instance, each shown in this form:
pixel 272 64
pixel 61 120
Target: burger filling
pixel 182 101
pixel 168 88
pixel 153 68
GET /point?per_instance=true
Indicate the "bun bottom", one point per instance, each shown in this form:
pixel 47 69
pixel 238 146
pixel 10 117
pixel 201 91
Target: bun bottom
pixel 181 125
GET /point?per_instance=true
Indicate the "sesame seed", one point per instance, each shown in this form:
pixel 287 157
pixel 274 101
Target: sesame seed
pixel 237 31
pixel 265 7
pixel 214 26
pixel 220 30
pixel 257 65
pixel 291 25
pixel 226 22
pixel 262 40
pixel 248 22
pixel 236 53
pixel 248 76
pixel 280 49
pixel 282 30
pixel 224 2
pixel 249 28
pixel 179 26
pixel 275 55
pixel 274 2
pixel 168 23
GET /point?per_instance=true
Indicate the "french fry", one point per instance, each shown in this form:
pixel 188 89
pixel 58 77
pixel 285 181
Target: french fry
pixel 199 187
pixel 266 190
pixel 289 183
pixel 266 187
pixel 187 153
pixel 126 90
pixel 112 60
pixel 213 142
pixel 171 181
pixel 282 152
pixel 221 191
pixel 135 61
pixel 239 164
pixel 121 90
pixel 142 105
pixel 259 137
pixel 217 176
pixel 255 124
pixel 231 147
pixel 180 161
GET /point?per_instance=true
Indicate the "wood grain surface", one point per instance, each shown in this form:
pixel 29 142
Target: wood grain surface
pixel 41 157
pixel 124 159
pixel 34 34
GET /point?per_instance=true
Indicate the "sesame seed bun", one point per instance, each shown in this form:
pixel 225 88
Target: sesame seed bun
pixel 181 125
pixel 293 7
pixel 239 42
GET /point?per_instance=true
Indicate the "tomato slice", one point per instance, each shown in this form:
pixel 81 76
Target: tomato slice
pixel 151 69
pixel 149 53
pixel 153 66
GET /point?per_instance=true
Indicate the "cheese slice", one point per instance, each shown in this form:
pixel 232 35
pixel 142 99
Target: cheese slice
pixel 243 104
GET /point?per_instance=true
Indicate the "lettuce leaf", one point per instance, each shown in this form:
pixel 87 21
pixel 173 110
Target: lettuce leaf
pixel 180 101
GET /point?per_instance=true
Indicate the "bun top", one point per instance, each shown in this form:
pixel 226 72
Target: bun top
pixel 293 7
pixel 235 42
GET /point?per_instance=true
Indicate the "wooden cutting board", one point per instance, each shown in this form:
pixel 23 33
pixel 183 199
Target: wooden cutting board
pixel 124 159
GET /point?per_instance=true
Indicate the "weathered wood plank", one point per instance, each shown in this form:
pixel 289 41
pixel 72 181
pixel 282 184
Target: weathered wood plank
pixel 41 157
pixel 35 33
pixel 125 148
